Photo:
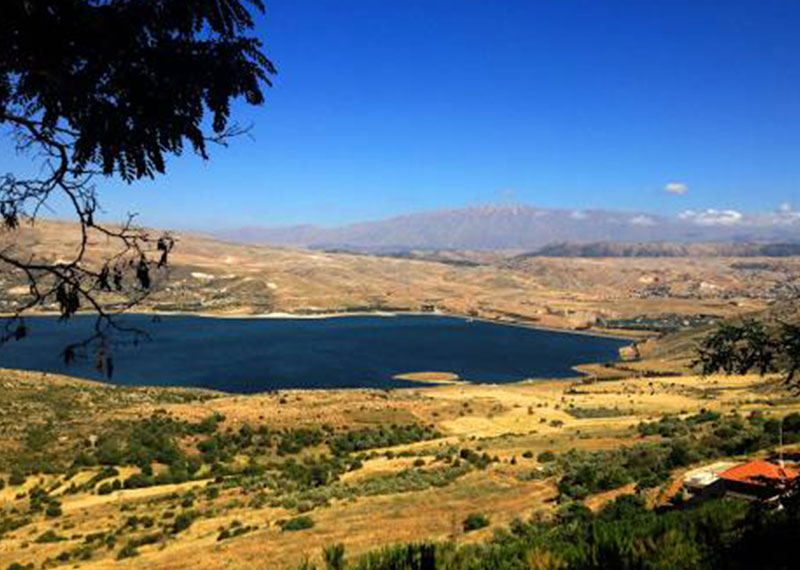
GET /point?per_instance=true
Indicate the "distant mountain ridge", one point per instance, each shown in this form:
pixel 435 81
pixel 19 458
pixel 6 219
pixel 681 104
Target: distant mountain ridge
pixel 522 227
pixel 662 249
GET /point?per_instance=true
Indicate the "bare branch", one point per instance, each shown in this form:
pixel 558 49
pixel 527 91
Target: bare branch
pixel 76 284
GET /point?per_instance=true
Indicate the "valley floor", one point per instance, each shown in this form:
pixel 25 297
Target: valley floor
pixel 406 492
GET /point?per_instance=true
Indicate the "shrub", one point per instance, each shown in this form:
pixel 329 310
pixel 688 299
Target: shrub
pixel 294 441
pixel 475 521
pixel 481 461
pixel 127 551
pixel 146 539
pixel 48 537
pixel 138 481
pixel 297 523
pixel 546 457
pixel 94 537
pixel 334 557
pixel 182 522
pixel 386 436
pixel 601 412
pixel 16 478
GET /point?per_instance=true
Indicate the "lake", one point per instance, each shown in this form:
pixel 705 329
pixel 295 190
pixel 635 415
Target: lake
pixel 255 355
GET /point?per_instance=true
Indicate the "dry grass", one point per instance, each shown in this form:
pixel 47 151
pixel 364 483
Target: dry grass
pixel 506 421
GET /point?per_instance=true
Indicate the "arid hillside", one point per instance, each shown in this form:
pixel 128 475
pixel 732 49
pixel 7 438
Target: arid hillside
pixel 211 276
pixel 102 476
pixel 106 476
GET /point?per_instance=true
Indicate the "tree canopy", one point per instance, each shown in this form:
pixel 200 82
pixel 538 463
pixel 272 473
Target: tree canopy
pixel 112 88
pixel 127 81
pixel 752 346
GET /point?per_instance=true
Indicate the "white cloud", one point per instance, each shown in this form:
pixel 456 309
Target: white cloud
pixel 642 221
pixel 677 188
pixel 578 215
pixel 784 214
pixel 712 217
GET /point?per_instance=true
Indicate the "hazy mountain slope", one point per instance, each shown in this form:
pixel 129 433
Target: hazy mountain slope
pixel 523 227
pixel 666 249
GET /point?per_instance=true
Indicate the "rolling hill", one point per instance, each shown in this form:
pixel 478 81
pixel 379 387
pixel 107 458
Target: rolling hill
pixel 210 276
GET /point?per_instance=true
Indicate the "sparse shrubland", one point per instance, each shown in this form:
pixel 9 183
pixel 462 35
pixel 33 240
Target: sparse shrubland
pixel 244 479
pixel 718 535
pixel 702 436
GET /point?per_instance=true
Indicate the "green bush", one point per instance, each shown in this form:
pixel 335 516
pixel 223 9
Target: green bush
pixel 127 551
pixel 48 537
pixel 16 478
pixel 297 523
pixel 294 441
pixel 182 522
pixel 623 535
pixel 138 481
pixel 475 521
pixel 334 557
pixel 385 436
pixel 546 457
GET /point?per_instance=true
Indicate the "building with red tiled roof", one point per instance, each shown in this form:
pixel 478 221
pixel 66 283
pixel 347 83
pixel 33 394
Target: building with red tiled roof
pixel 759 473
pixel 757 479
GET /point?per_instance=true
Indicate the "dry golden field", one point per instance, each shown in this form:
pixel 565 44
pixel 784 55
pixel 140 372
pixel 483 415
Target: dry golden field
pixel 512 423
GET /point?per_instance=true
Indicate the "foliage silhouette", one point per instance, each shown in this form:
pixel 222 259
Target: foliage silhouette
pixel 111 88
pixel 751 345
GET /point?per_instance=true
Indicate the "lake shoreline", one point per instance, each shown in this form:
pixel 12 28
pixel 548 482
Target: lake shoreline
pixel 390 314
pixel 278 315
pixel 460 352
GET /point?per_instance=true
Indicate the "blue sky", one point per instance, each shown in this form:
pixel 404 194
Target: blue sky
pixel 384 107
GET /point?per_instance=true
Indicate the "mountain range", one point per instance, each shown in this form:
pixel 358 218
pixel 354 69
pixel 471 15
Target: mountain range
pixel 523 227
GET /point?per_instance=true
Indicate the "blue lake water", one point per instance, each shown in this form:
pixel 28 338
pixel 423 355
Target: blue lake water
pixel 254 355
